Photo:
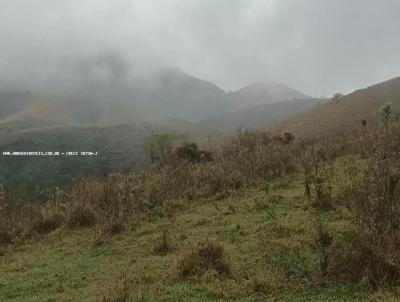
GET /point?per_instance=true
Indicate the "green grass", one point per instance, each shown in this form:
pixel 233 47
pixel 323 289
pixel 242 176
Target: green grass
pixel 268 239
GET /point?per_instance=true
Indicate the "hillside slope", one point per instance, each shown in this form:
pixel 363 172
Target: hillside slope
pixel 269 240
pixel 259 116
pixel 260 93
pixel 176 94
pixel 169 92
pixel 344 113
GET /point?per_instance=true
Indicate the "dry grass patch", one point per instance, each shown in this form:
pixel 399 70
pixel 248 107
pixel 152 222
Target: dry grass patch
pixel 207 256
pixel 5 238
pixel 80 215
pixel 47 221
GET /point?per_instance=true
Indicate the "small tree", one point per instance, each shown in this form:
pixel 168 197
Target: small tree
pixel 159 146
pixel 191 152
pixel 318 172
pixel 385 112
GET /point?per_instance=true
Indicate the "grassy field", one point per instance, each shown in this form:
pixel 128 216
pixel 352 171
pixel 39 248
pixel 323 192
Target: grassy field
pixel 268 235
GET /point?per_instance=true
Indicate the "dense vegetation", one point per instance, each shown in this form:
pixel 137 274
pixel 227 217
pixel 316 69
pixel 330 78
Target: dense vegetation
pixel 265 217
pixel 118 149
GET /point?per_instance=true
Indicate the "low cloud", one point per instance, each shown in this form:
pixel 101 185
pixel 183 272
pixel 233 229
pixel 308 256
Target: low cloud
pixel 319 47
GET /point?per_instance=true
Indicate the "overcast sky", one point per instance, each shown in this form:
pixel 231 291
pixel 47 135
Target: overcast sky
pixel 316 46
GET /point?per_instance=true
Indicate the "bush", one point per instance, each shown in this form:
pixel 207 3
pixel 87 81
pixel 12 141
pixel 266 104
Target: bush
pixel 318 174
pixel 207 256
pixel 47 222
pixel 191 153
pixel 164 245
pixel 109 228
pixel 80 216
pixel 323 240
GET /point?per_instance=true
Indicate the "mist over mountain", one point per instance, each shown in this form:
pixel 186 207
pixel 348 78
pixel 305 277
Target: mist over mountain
pixel 230 43
pixel 12 102
pixel 259 116
pixel 260 93
pixel 110 79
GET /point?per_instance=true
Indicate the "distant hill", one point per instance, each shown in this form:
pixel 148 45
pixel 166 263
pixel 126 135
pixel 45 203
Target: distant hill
pixel 168 92
pixel 39 111
pixel 178 95
pixel 261 93
pixel 345 113
pixel 259 116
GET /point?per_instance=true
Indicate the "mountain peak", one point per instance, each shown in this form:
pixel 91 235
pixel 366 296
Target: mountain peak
pixel 261 93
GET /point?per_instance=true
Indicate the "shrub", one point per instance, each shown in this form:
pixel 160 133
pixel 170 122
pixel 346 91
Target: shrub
pixel 46 222
pixel 207 256
pixel 164 245
pixel 294 262
pixel 318 174
pixel 80 215
pixel 324 240
pixel 107 229
pixel 159 146
pixel 191 153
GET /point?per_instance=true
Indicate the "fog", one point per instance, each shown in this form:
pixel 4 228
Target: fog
pixel 318 47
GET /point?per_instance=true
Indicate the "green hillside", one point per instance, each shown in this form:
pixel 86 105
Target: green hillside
pixel 268 240
pixel 268 219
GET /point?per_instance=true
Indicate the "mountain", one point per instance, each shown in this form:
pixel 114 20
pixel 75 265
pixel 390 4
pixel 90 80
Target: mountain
pixel 176 94
pixel 259 116
pixel 260 93
pixel 168 92
pixel 344 113
pixel 103 86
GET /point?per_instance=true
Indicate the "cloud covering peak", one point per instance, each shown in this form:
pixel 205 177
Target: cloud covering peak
pixel 315 46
